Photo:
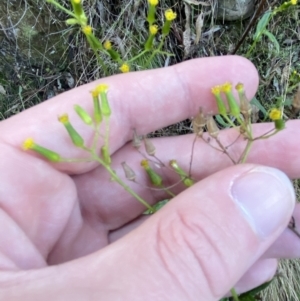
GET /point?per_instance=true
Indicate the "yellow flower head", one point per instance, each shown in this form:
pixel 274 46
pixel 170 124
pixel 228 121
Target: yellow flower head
pixel 239 87
pixel 76 1
pixel 226 87
pixel 87 30
pixel 95 92
pixel 275 114
pixel 63 118
pixel 153 2
pixel 294 2
pixel 102 88
pixel 28 144
pixel 107 45
pixel 170 15
pixel 216 90
pixel 125 68
pixel 153 29
pixel 145 163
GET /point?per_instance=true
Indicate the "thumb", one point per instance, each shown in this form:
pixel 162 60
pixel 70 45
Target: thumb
pixel 200 244
pixel 197 247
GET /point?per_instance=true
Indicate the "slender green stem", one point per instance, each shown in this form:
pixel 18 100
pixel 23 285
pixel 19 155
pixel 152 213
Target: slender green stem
pixel 164 53
pixel 229 120
pixel 225 150
pixel 101 63
pixel 234 295
pixel 59 6
pixel 169 192
pixel 96 136
pixel 246 151
pixel 264 136
pixel 119 181
pixel 106 136
pixel 138 56
pixel 154 53
pixel 76 160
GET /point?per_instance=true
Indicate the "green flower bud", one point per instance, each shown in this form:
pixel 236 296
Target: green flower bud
pixel 220 103
pixel 166 28
pixel 155 178
pixel 97 110
pixel 94 42
pixel 187 181
pixel 149 42
pixel 78 10
pixel 75 137
pixel 233 105
pixel 105 108
pixel 84 115
pixel 71 21
pixel 151 14
pixel 29 144
pixel 279 124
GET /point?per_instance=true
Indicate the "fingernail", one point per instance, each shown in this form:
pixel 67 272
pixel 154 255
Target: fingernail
pixel 266 197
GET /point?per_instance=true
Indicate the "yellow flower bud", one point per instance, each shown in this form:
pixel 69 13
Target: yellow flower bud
pixel 153 29
pixel 124 68
pixel 153 2
pixel 107 45
pixel 216 90
pixel 63 118
pixel 227 87
pixel 95 93
pixel 145 163
pixel 275 114
pixel 170 15
pixel 87 30
pixel 102 88
pixel 28 144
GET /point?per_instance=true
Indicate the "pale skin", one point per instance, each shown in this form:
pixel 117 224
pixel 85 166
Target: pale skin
pixel 58 221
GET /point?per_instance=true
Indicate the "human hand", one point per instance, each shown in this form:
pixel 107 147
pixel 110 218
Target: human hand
pixel 68 233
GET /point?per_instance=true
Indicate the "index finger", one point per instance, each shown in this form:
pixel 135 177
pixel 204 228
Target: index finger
pixel 146 100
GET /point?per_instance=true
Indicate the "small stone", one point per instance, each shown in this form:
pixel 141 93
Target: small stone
pixel 231 10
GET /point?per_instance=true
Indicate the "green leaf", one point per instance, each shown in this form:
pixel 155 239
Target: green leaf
pixel 254 101
pixel 262 24
pixel 255 291
pixel 222 122
pixel 272 39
